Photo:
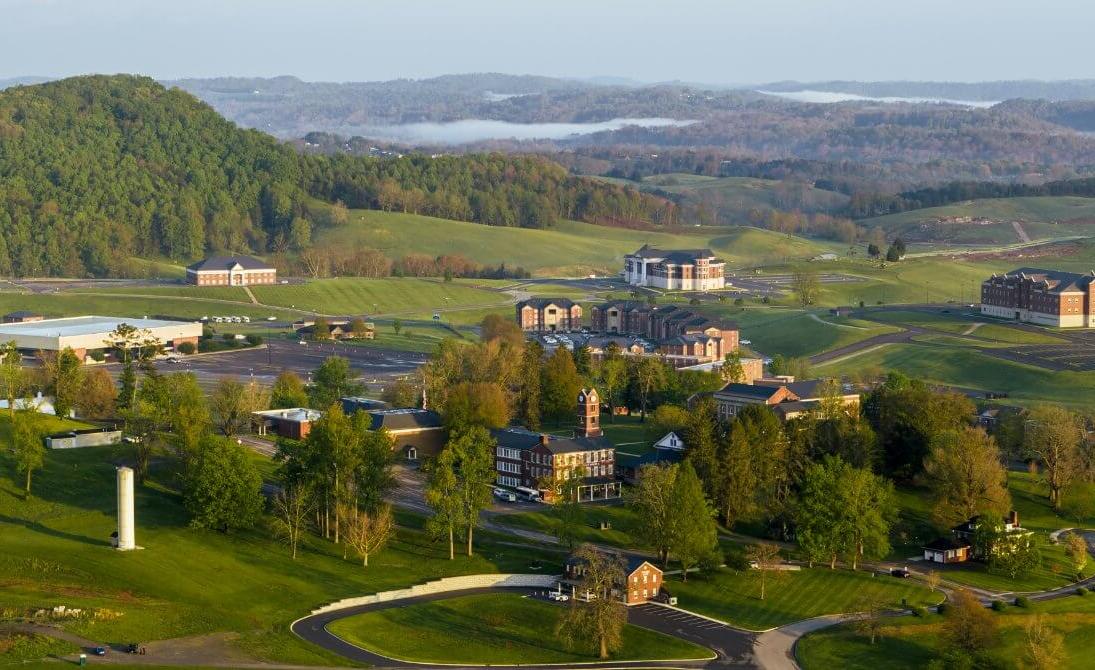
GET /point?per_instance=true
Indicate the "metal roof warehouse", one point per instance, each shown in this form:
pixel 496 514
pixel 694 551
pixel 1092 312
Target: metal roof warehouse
pixel 91 332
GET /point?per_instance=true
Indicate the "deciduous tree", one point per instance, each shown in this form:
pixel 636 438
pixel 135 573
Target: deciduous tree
pixel 222 486
pixel 596 622
pixel 652 500
pixel 30 453
pixel 695 534
pixel 292 507
pixel 1053 436
pixel 765 558
pixel 288 391
pixel 367 532
pixel 96 398
pixel 967 477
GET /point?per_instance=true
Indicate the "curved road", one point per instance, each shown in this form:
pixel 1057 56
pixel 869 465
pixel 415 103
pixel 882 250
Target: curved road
pixel 733 647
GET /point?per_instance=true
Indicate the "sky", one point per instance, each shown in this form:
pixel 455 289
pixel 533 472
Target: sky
pixel 710 41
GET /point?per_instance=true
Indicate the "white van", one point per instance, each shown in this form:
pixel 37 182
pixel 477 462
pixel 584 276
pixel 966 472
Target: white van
pixel 525 493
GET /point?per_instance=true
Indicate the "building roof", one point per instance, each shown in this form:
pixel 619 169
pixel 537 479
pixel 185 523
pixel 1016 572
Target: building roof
pixel 946 543
pixel 20 314
pixel 757 391
pixel 82 325
pixel 224 263
pixel 680 256
pixel 1057 281
pixel 628 306
pixel 519 438
pixel 631 562
pixel 540 303
pixel 405 418
pixel 293 414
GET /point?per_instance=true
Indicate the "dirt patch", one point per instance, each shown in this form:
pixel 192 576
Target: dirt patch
pixel 1050 249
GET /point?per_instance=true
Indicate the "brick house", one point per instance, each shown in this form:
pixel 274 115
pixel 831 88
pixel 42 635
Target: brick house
pixel 231 271
pixel 1045 297
pixel 959 547
pixel 625 317
pixel 293 423
pixel 680 334
pixel 643 580
pixel 787 398
pixel 675 270
pixel 549 315
pixel 416 433
pixel 541 461
pixel 337 329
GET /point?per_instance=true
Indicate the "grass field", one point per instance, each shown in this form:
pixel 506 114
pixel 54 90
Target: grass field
pixel 733 597
pixel 491 629
pixel 1041 217
pixel 54 550
pixel 621 519
pixel 567 249
pixel 347 295
pixel 961 322
pixel 72 304
pixel 911 643
pixel 793 332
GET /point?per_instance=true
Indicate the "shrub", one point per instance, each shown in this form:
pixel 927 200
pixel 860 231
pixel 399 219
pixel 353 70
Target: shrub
pixel 920 612
pixel 998 605
pixel 736 561
pixel 1022 601
pixel 1082 591
pixel 229 337
pixel 738 302
pixel 694 301
pixel 254 340
pixel 186 348
pixel 97 355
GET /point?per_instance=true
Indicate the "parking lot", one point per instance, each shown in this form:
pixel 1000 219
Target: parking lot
pixel 1074 356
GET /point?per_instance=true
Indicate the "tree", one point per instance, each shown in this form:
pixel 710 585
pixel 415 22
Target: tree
pixel 498 327
pixel 321 328
pixel 871 607
pixel 932 580
pixel 596 622
pixel 11 374
pixel 966 476
pixel 472 456
pixel 368 532
pixel 648 374
pixel 401 393
pixel 896 251
pixel 135 348
pixel 613 379
pixel 1045 647
pixel 397 326
pixel 1011 554
pixel 765 558
pixel 359 328
pixel 667 419
pixel 867 502
pixel 222 487
pixel 292 507
pixel 799 368
pixel 652 501
pixel 735 479
pixel 968 626
pixel 560 385
pixel 483 404
pixel 567 510
pixel 1076 550
pixel 732 370
pixel 333 380
pixel 583 360
pixel 30 453
pixel 97 396
pixel 1053 436
pixel 64 379
pixel 442 495
pixel 695 534
pixel 288 391
pixel 232 403
pixel 806 287
pixel 529 393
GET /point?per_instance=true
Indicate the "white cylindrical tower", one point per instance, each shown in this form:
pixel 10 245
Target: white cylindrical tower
pixel 126 525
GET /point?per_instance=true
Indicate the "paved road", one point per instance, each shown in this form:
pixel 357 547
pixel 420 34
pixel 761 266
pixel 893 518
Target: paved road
pixel 733 647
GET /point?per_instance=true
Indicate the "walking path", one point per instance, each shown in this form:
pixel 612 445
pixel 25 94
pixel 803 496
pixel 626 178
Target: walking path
pixel 1023 237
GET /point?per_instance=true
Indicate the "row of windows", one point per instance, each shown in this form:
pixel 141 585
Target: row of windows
pixel 509 481
pixel 506 466
pixel 505 452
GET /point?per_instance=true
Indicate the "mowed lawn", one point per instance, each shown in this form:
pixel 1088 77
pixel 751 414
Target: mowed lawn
pixel 54 550
pixel 796 333
pixel 350 296
pixel 734 597
pixel 910 643
pixel 961 322
pixel 181 306
pixel 492 629
pixel 621 519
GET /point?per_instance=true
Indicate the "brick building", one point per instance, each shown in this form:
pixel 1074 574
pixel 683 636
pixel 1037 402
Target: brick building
pixel 231 271
pixel 1045 297
pixel 541 461
pixel 293 423
pixel 675 269
pixel 678 332
pixel 643 580
pixel 549 315
pixel 787 398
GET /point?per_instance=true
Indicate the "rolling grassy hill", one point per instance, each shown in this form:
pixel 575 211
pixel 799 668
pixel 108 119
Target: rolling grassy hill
pixel 570 248
pixel 733 197
pixel 1042 218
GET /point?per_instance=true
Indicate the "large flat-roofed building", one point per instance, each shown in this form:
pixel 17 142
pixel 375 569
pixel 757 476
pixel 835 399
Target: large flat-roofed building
pixel 88 333
pixel 294 422
pixel 675 269
pixel 231 271
pixel 1045 297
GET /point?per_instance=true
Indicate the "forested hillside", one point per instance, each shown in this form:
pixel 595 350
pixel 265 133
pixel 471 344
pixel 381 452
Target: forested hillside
pixel 95 170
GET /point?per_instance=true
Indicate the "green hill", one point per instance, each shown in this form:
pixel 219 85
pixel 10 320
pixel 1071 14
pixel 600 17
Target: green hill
pixel 1042 218
pixel 567 248
pixel 733 197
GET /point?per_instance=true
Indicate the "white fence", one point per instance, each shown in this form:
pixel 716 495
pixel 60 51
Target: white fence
pixel 446 584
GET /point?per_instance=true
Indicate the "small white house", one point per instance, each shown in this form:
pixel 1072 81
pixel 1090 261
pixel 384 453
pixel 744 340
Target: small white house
pixel 671 441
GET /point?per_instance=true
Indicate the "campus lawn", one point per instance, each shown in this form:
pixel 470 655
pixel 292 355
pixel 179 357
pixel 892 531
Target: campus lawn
pixel 491 629
pixel 226 293
pixel 351 295
pixel 962 322
pixel 183 307
pixel 23 648
pixel 54 549
pixel 621 518
pixel 911 642
pixel 966 368
pixel 793 332
pixel 733 596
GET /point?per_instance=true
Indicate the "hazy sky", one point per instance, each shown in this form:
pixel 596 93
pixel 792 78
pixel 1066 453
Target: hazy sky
pixel 718 41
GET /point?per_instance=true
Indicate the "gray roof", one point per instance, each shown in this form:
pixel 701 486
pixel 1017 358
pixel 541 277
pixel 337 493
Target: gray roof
pixel 519 438
pixel 1055 280
pixel 405 419
pixel 751 390
pixel 215 263
pixel 540 303
pixel 21 314
pixel 674 255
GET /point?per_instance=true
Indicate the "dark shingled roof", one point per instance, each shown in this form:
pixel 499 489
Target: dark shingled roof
pixel 1057 281
pixel 214 263
pixel 405 419
pixel 674 255
pixel 519 438
pixel 540 303
pixel 627 306
pixel 946 543
pixel 752 390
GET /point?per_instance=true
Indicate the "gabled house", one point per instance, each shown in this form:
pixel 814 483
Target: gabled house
pixel 959 546
pixel 231 271
pixel 642 580
pixel 549 315
pixel 787 398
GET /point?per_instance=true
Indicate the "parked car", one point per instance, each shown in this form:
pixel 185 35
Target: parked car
pixel 665 597
pixel 559 597
pixel 747 342
pixel 271 318
pixel 900 573
pixel 504 495
pixel 99 651
pixel 174 359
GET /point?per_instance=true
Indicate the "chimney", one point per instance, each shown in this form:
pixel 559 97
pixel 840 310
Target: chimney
pixel 544 439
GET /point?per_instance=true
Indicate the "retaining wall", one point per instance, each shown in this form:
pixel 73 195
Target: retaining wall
pixel 446 584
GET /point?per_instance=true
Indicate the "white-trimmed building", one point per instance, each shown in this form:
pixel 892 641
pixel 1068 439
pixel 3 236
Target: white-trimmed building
pixel 1045 297
pixel 88 333
pixel 231 271
pixel 675 269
